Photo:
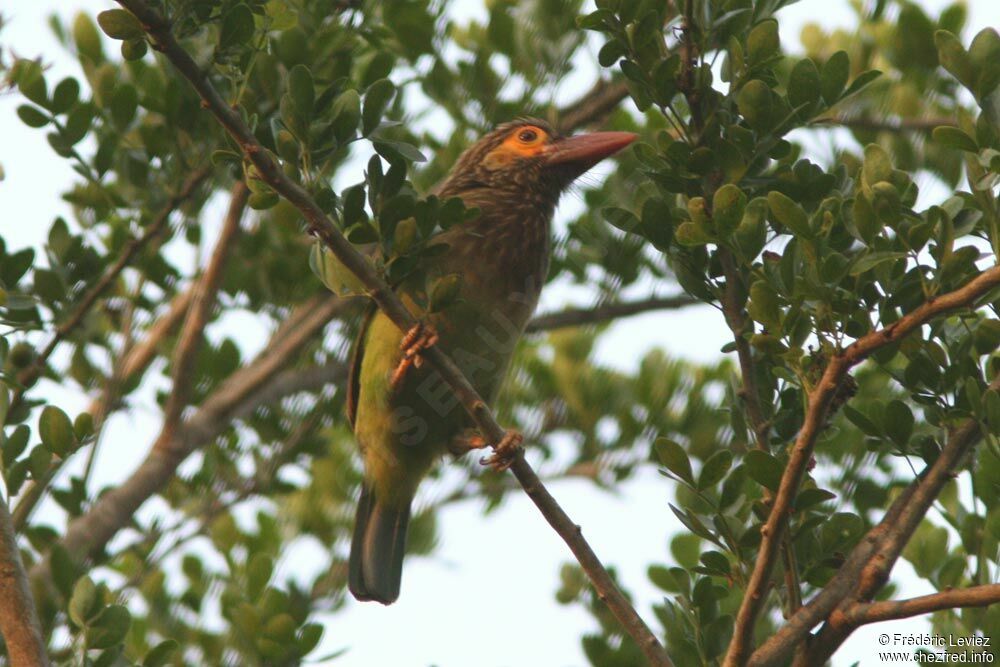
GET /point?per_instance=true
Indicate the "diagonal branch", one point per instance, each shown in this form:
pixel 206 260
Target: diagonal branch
pixel 597 103
pixel 876 612
pixel 320 225
pixel 203 300
pixel 574 317
pixel 239 395
pixel 29 375
pixel 819 402
pixel 868 579
pixel 19 625
pixel 135 362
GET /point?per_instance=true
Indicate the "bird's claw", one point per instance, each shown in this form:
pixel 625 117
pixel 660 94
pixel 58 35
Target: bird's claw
pixel 504 452
pixel 420 337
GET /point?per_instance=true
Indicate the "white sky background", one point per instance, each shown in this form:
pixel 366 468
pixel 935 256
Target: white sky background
pixel 485 598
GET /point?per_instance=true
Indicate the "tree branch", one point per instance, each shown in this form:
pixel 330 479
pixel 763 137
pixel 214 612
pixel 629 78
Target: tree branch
pixel 30 374
pixel 901 125
pixel 240 394
pixel 798 626
pixel 876 612
pixel 202 301
pixel 875 571
pixel 320 225
pixel 18 619
pixel 135 362
pixel 819 402
pixel 597 103
pixel 573 317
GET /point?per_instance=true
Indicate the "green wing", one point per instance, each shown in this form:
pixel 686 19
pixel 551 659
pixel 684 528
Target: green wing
pixel 357 356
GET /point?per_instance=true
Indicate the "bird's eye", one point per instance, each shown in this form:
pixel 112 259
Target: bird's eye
pixel 527 136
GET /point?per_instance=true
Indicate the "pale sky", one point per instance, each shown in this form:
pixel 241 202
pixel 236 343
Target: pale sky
pixel 486 596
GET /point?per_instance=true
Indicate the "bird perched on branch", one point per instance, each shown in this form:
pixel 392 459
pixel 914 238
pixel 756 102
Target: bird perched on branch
pixel 404 415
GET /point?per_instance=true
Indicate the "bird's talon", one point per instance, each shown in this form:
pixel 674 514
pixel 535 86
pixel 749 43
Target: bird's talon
pixel 420 337
pixel 504 452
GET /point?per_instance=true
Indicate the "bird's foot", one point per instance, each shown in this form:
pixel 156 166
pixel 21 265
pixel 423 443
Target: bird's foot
pixel 504 452
pixel 416 340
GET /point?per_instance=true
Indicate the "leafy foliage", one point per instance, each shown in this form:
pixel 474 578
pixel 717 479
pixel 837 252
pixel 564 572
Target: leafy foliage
pixel 367 105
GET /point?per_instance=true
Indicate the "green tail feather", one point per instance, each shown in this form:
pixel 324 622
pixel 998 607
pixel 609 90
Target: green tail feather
pixel 377 548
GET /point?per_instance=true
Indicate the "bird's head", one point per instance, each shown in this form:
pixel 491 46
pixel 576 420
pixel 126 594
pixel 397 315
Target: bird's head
pixel 528 160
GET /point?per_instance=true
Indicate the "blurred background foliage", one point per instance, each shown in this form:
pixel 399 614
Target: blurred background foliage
pixel 751 175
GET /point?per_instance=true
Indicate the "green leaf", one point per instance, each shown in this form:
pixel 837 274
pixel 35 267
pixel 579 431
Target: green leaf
pixel 124 105
pixel 56 431
pixel 877 166
pixel 859 419
pixel 120 24
pixel 302 92
pixel 692 235
pixel 804 87
pixel 159 655
pixel 237 27
pixel 377 99
pixel 32 116
pixel 309 636
pixel 870 260
pixel 15 444
pixel 898 422
pixel 259 571
pixel 812 496
pixel 87 39
pixel 4 405
pixel 755 104
pixel 361 233
pixel 31 81
pixel 833 78
pixel 728 206
pixel 134 49
pixel 927 549
pixel 790 214
pixel 674 458
pixel 622 219
pixel 763 468
pixel 763 42
pixel 395 149
pixel 346 112
pixel 991 406
pixel 954 58
pixel 444 291
pixel 39 460
pixel 332 272
pixel 65 95
pixel 84 603
pixel 110 628
pixel 861 81
pixel 953 137
pixel 764 306
pixel 714 469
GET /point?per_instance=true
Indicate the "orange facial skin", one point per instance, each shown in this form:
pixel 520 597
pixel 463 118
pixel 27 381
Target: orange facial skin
pixel 526 141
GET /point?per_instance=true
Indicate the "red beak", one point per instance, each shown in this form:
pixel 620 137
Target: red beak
pixel 586 150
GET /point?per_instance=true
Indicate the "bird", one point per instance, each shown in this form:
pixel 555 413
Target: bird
pixel 404 416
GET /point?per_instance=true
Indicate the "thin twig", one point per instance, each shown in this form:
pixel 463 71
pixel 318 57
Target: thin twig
pixel 574 317
pixel 30 374
pixel 880 125
pixel 19 625
pixel 890 610
pixel 320 225
pixel 819 401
